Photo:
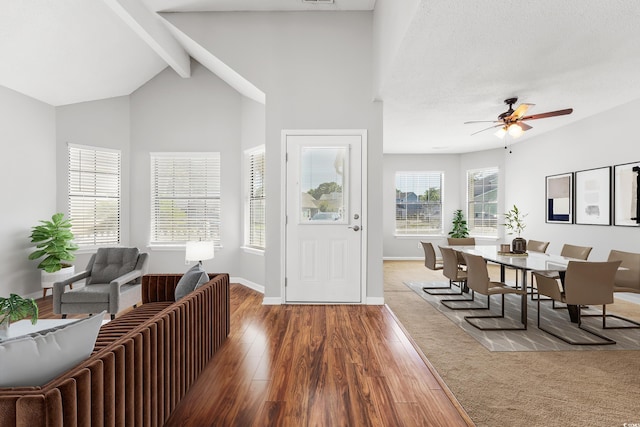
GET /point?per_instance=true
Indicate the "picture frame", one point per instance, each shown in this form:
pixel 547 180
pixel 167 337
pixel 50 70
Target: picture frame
pixel 559 198
pixel 593 196
pixel 626 203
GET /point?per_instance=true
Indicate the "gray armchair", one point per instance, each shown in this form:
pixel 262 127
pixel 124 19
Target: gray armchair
pixel 112 283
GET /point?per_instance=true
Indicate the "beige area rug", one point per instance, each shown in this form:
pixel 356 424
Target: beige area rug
pixel 550 388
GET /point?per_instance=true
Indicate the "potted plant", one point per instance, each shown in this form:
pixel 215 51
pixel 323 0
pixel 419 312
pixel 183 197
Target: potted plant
pixel 54 242
pixel 460 229
pixel 16 308
pixel 514 222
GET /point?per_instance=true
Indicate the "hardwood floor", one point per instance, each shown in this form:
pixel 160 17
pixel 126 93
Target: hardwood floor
pixel 315 365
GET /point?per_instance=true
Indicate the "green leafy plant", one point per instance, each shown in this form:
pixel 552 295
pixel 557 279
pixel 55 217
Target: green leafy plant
pixel 54 242
pixel 16 308
pixel 514 221
pixel 460 228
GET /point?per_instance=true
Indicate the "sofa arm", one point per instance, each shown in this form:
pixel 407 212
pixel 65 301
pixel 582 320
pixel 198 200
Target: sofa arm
pixel 159 287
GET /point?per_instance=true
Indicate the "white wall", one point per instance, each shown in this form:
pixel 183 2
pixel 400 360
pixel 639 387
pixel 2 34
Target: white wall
pixel 27 174
pixel 603 140
pixel 104 124
pixel 315 69
pixel 409 247
pixel 197 114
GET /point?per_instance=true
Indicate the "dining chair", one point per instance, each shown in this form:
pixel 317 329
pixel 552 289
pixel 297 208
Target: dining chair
pixel 432 262
pixel 478 281
pixel 577 252
pixel 452 271
pixel 585 283
pixel 537 246
pixel 461 241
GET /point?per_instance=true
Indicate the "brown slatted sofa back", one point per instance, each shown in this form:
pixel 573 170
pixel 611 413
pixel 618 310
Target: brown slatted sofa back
pixel 143 362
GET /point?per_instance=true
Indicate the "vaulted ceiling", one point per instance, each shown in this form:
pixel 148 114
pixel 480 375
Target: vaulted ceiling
pixel 457 61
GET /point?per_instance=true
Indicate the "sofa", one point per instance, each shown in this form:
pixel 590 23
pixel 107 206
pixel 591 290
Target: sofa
pixel 142 364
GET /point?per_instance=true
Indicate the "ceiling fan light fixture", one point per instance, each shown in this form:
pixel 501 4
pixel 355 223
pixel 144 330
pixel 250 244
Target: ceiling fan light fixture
pixel 515 130
pixel 501 132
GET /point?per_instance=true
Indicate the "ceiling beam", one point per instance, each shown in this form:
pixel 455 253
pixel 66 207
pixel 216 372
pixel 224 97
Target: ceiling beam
pixel 147 25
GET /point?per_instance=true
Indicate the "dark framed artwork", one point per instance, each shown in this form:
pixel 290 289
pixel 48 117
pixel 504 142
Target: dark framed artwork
pixel 559 198
pixel 593 196
pixel 625 194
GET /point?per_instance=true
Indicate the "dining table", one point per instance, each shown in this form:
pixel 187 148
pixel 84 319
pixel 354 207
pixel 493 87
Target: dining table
pixel 522 263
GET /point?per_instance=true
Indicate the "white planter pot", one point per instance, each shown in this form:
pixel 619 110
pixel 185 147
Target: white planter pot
pixel 48 279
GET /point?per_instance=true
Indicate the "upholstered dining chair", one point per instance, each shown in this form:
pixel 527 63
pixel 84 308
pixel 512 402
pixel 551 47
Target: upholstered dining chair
pixel 478 281
pixel 577 252
pixel 627 280
pixel 455 274
pixel 585 283
pixel 432 262
pixel 537 246
pixel 461 241
pixel 112 283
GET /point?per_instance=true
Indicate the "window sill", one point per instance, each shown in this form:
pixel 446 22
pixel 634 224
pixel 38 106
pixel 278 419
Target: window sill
pixel 417 236
pixel 254 251
pixel 179 247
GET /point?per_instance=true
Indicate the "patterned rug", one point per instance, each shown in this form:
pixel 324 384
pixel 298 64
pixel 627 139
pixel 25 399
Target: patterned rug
pixel 531 339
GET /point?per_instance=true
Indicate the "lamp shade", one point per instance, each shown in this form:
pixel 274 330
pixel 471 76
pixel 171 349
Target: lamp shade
pixel 199 251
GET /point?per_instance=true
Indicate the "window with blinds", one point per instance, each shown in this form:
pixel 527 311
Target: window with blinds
pixel 418 203
pixel 185 197
pixel 482 199
pixel 256 199
pixel 94 195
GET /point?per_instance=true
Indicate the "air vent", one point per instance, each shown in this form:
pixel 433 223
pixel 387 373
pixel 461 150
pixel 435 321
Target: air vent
pixel 318 1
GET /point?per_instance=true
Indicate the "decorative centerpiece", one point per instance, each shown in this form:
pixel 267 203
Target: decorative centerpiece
pixel 55 243
pixel 460 229
pixel 16 308
pixel 514 222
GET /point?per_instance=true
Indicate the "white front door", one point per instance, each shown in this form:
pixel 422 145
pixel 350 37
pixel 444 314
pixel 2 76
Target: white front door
pixel 324 237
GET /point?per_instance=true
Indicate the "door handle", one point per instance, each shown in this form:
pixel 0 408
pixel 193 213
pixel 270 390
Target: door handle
pixel 355 228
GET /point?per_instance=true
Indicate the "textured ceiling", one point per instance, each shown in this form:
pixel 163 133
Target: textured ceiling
pixel 457 62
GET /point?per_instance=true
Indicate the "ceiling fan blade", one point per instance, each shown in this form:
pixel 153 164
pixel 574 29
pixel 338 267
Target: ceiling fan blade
pixel 549 114
pixel 524 126
pixel 492 127
pixel 482 121
pixel 521 110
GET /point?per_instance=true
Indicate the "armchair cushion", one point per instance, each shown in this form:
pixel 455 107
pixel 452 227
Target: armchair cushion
pixel 111 263
pixel 35 359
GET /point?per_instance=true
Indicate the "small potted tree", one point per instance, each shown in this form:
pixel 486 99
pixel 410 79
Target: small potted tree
pixel 54 242
pixel 16 308
pixel 460 229
pixel 514 222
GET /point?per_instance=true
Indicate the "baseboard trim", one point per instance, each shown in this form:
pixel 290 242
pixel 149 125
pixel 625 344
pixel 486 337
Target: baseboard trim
pixel 248 283
pixel 399 258
pixel 375 300
pixel 272 301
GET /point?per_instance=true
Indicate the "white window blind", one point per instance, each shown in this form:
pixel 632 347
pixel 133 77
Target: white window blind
pixel 94 195
pixel 482 198
pixel 256 199
pixel 418 203
pixel 185 197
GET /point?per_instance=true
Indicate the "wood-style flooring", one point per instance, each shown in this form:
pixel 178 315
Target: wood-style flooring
pixel 314 365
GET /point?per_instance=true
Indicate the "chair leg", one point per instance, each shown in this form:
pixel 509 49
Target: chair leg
pixel 501 316
pixel 113 316
pixel 64 316
pixel 446 302
pixel 604 315
pixel 428 289
pixel 607 340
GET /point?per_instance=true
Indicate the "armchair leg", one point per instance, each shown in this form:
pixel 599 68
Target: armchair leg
pixel 113 316
pixel 64 316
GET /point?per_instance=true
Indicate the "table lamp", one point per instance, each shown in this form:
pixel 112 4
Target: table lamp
pixel 199 251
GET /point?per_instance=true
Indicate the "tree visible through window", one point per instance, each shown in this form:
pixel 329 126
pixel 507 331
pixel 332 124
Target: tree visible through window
pixel 418 203
pixel 94 195
pixel 185 197
pixel 482 198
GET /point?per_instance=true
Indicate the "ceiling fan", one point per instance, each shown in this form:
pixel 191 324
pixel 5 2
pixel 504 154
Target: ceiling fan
pixel 512 121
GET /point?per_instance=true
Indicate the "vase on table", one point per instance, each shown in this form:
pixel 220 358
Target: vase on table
pixel 519 245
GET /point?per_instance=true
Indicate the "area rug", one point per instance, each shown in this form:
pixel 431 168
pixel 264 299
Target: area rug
pixel 531 339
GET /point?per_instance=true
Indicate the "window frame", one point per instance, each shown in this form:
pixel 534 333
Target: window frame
pixel 249 155
pixel 211 185
pixel 471 220
pixel 429 175
pixel 103 190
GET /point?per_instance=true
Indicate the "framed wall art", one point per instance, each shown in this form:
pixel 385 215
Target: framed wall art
pixel 559 198
pixel 593 196
pixel 626 178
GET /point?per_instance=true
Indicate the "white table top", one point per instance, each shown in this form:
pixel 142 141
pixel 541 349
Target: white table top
pixel 533 261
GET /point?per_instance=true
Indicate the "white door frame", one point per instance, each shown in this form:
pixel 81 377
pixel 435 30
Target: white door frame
pixel 283 207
